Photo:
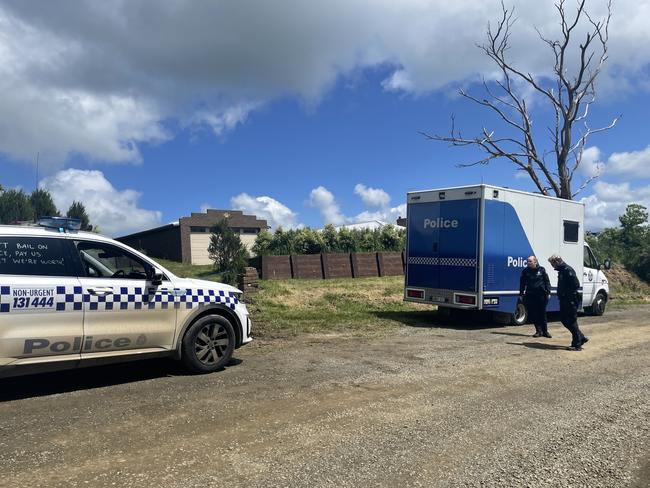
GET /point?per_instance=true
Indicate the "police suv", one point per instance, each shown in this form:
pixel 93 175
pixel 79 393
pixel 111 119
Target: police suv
pixel 71 299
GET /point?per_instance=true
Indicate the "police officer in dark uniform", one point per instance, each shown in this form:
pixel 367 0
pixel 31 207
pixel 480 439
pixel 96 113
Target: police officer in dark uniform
pixel 567 292
pixel 535 290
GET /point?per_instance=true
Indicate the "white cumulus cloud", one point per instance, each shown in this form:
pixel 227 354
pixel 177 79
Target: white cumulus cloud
pixel 265 207
pixel 376 201
pixel 324 201
pixel 386 214
pixel 609 201
pixel 372 197
pixel 101 79
pixel 633 164
pixel 116 212
pixel 591 164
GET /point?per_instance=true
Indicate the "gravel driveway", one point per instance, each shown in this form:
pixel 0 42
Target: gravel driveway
pixel 448 404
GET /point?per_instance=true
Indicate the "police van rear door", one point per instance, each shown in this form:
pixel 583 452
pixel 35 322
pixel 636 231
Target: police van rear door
pixel 41 313
pixel 442 246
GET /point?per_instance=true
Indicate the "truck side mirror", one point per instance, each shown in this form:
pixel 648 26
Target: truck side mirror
pixel 607 264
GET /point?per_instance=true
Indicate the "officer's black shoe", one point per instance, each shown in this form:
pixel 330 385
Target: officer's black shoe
pixel 584 340
pixel 547 335
pixel 574 348
pixel 537 334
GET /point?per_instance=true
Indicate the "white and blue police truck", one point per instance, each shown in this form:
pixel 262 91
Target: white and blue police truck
pixel 467 246
pixel 71 299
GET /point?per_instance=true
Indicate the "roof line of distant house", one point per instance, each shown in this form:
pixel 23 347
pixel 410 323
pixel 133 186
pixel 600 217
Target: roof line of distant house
pixel 149 231
pixel 237 219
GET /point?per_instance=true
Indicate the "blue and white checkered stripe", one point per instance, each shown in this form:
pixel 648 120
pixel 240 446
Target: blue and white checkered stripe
pixel 71 298
pixel 5 295
pixel 430 261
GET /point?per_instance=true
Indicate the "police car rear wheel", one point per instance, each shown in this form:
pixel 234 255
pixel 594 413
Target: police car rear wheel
pixel 520 317
pixel 208 344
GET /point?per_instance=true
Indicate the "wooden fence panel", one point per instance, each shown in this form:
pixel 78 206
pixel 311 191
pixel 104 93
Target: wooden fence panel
pixel 276 268
pixel 390 264
pixel 307 266
pixel 337 265
pixel 364 264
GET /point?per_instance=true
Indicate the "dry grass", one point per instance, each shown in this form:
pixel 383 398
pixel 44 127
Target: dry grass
pixel 332 306
pixel 626 287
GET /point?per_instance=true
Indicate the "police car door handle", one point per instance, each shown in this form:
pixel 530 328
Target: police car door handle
pixel 101 290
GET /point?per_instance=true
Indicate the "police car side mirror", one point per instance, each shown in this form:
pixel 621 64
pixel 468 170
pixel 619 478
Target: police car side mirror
pixel 155 276
pixel 607 264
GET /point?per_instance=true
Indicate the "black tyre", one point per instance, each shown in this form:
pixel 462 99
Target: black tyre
pixel 520 317
pixel 599 305
pixel 208 344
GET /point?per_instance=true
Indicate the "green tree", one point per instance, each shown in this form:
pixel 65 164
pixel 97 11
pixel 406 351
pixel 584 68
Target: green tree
pixel 227 251
pixel 346 241
pixel 634 216
pixel 330 239
pixel 15 207
pixel 389 239
pixel 43 204
pixel 262 244
pixel 307 241
pixel 632 223
pixel 78 211
pixel 282 242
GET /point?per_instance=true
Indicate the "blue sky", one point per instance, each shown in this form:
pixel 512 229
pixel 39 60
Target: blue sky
pixel 304 121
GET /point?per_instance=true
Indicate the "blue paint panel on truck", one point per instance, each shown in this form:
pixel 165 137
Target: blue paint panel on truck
pixel 505 247
pixel 422 244
pixel 443 245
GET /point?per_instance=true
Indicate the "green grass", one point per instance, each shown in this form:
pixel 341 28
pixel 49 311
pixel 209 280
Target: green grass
pixel 360 306
pixel 351 306
pixel 203 271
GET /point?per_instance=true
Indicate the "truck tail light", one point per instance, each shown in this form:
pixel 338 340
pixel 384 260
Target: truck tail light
pixel 415 294
pixel 466 299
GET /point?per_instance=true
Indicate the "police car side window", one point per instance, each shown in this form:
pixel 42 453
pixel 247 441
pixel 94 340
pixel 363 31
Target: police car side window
pixel 101 260
pixel 36 256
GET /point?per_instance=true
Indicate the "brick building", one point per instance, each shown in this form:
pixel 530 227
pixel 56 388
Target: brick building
pixel 187 240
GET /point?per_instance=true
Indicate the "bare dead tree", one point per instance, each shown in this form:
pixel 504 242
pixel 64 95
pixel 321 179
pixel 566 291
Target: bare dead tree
pixel 570 91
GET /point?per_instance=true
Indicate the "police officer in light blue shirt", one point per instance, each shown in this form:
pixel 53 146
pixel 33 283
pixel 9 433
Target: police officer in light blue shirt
pixel 535 290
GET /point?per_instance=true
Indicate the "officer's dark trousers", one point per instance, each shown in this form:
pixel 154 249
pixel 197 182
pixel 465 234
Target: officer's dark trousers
pixel 569 318
pixel 536 306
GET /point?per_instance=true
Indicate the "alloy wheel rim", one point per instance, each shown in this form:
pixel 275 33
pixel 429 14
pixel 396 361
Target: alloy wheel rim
pixel 211 343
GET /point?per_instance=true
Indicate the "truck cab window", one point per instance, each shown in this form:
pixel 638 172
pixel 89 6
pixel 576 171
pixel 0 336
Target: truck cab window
pixel 589 259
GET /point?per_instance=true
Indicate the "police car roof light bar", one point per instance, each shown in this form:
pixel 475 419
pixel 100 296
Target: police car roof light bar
pixel 61 223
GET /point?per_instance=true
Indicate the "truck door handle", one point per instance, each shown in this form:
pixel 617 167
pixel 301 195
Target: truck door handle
pixel 101 290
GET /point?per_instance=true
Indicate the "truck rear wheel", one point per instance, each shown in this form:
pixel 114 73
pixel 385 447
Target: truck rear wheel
pixel 520 317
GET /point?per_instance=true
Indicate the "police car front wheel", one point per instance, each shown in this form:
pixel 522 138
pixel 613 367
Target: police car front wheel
pixel 208 344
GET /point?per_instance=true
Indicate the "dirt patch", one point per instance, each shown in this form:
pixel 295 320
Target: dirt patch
pixel 456 404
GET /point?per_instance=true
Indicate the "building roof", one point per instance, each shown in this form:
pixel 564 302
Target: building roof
pixel 236 219
pixel 369 224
